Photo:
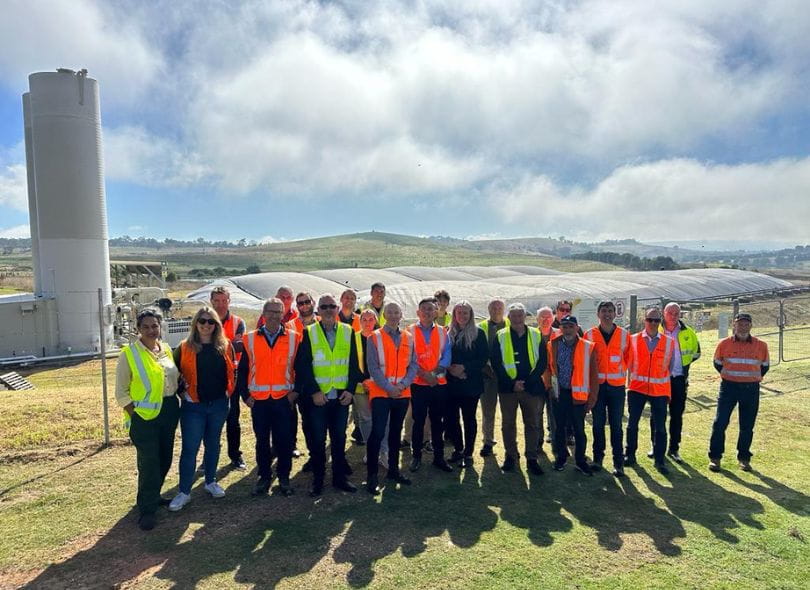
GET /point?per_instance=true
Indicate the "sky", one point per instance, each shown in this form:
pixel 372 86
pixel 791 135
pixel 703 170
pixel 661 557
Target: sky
pixel 270 121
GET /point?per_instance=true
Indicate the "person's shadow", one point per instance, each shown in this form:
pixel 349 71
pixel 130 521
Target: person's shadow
pixel 791 500
pixel 693 497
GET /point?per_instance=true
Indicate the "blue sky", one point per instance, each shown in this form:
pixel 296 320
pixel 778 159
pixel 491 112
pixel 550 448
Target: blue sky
pixel 593 120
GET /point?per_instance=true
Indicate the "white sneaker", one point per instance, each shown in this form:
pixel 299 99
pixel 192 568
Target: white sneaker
pixel 214 489
pixel 179 501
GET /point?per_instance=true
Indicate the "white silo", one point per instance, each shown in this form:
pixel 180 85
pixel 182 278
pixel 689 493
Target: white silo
pixel 69 219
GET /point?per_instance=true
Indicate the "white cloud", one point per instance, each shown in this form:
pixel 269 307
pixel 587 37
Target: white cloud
pixel 132 154
pixel 18 231
pixel 13 187
pixel 677 198
pixel 42 36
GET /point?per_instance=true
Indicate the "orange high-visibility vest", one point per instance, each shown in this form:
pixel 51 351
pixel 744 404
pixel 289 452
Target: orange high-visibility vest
pixel 229 327
pixel 429 354
pixel 649 371
pixel 742 360
pixel 546 377
pixel 613 357
pixel 188 368
pixel 271 371
pixel 581 370
pixel 393 361
pixel 355 323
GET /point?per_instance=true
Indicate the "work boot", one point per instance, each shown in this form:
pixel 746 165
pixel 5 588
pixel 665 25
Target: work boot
pixel 714 465
pixel 508 464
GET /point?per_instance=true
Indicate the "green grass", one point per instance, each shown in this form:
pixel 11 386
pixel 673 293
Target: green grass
pixel 66 517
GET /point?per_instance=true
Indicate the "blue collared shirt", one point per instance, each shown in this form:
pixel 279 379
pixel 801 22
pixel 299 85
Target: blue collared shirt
pixel 565 363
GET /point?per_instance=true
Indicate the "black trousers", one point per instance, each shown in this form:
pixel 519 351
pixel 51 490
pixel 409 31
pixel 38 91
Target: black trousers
pixel 273 416
pixel 233 431
pixel 677 405
pixel 467 406
pixel 426 400
pixel 154 448
pixel 332 418
pixel 609 408
pixel 746 397
pixel 658 408
pixel 385 411
pixel 567 412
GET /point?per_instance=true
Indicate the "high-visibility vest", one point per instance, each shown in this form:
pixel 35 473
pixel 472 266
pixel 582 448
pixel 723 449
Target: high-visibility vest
pixel 394 361
pixel 361 359
pixel 229 327
pixel 380 314
pixel 554 333
pixel 188 368
pixel 146 384
pixel 688 343
pixel 330 365
pixel 447 319
pixel 508 353
pixel 742 360
pixel 484 325
pixel 355 323
pixel 429 354
pixel 270 372
pixel 649 371
pixel 580 369
pixel 297 325
pixel 613 356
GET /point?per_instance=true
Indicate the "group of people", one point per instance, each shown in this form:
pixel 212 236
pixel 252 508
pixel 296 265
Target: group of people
pixel 330 360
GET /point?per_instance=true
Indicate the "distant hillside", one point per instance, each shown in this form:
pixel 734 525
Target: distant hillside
pixel 369 250
pixel 562 247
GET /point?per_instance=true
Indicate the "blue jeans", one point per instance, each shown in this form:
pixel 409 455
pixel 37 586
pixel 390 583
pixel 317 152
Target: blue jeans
pixel 386 413
pixel 200 422
pixel 609 408
pixel 658 409
pixel 731 394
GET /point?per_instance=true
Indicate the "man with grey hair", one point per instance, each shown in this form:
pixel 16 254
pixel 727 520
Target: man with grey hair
pixel 489 397
pixel 519 359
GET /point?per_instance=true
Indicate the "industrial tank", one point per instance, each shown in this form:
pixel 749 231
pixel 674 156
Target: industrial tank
pixel 69 216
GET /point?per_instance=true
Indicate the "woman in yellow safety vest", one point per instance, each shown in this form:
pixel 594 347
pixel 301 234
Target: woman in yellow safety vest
pixel 146 384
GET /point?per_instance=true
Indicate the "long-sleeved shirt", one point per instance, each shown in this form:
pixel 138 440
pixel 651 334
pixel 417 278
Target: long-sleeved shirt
pixel 373 362
pixel 446 354
pixel 474 359
pixel 123 374
pixel 305 382
pixel 531 378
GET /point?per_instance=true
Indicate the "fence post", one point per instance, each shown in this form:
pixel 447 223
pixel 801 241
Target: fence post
pixel 633 314
pixel 103 346
pixel 781 323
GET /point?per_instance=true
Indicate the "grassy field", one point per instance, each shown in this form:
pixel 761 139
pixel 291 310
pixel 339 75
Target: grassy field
pixel 67 517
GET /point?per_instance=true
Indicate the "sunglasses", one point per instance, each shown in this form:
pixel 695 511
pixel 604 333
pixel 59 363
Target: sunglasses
pixel 653 320
pixel 210 322
pixel 304 302
pixel 328 306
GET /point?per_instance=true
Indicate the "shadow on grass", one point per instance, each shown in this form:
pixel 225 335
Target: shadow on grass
pixel 693 497
pixel 340 538
pixel 791 500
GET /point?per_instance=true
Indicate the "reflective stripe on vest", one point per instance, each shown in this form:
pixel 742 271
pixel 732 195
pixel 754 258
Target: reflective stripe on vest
pixel 147 381
pixel 655 380
pixel 616 371
pixel 287 386
pixel 396 373
pixel 426 351
pixel 508 353
pixel 330 366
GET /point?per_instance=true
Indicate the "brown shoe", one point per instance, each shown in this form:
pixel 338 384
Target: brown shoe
pixel 714 465
pixel 745 465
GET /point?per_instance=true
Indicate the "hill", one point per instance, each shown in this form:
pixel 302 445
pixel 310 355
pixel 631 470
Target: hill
pixel 365 250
